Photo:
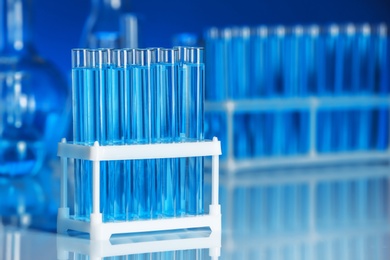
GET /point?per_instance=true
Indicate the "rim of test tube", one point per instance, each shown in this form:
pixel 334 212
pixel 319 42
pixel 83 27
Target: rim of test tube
pixel 167 55
pixel 96 58
pixel 145 56
pixel 260 31
pixel 190 54
pixel 79 58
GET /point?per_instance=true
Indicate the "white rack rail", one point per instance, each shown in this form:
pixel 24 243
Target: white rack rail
pixel 100 230
pixel 140 244
pixel 311 104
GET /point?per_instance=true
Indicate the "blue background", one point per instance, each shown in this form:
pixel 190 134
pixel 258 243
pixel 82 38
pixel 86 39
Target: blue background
pixel 57 25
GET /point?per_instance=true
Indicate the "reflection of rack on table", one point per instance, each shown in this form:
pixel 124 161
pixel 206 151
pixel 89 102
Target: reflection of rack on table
pixel 162 244
pixel 103 231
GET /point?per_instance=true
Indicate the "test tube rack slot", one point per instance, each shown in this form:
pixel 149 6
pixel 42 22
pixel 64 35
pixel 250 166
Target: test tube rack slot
pixel 100 230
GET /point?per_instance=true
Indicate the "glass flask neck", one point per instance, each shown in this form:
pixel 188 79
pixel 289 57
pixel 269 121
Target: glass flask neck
pixel 15 30
pixel 110 7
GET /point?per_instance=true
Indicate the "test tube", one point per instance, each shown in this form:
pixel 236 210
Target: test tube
pixel 82 103
pixel 325 143
pixel 256 129
pixel 216 59
pixel 118 122
pixel 258 63
pixel 380 59
pixel 293 50
pixel 362 49
pixel 167 123
pixel 269 119
pixel 100 62
pixel 240 57
pixel 226 64
pixel 89 80
pixel 329 64
pixel 348 75
pixel 279 132
pixel 241 141
pixel 275 60
pixel 143 128
pixel 190 112
pixel 310 58
pixel 123 61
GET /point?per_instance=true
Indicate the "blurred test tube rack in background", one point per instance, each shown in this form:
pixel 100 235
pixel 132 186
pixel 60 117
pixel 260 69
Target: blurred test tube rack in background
pixel 298 95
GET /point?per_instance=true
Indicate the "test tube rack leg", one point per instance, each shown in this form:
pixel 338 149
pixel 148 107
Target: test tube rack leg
pixel 100 230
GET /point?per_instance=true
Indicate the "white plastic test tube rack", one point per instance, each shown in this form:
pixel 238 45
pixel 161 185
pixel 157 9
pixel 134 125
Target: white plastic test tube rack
pixel 100 230
pixel 312 105
pixel 156 243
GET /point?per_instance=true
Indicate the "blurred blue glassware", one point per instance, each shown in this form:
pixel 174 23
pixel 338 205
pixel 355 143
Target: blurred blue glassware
pixel 34 107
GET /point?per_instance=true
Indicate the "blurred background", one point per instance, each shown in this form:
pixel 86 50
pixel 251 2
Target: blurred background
pixel 305 168
pixel 161 20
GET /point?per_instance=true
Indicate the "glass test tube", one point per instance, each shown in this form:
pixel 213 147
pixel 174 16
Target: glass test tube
pixel 347 76
pixel 276 60
pixel 257 89
pixel 380 59
pixel 123 61
pixel 240 57
pixel 293 52
pixel 190 112
pixel 216 58
pixel 328 63
pixel 167 127
pixel 82 129
pixel 89 74
pixel 311 59
pixel 143 129
pixel 258 64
